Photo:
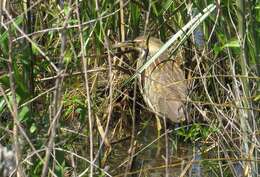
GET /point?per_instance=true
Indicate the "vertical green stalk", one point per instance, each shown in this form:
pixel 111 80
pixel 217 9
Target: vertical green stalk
pixel 256 38
pixel 246 117
pixel 14 109
pixel 255 18
pixel 31 59
pixel 242 39
pixel 29 77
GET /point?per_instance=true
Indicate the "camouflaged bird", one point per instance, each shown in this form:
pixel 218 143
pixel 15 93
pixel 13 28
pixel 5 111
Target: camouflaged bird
pixel 162 84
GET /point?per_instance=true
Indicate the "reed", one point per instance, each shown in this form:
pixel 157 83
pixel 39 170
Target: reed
pixel 68 99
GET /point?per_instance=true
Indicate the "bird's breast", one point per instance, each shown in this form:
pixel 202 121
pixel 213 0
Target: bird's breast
pixel 164 88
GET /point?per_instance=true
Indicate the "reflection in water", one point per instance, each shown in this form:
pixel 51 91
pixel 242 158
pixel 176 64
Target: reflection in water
pixel 196 170
pixel 183 158
pixel 152 161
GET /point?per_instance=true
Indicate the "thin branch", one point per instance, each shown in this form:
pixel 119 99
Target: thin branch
pixel 85 69
pixel 88 23
pixel 30 40
pixel 14 108
pixel 57 100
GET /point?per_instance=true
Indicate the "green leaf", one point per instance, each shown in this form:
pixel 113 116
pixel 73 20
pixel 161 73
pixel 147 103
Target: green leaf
pixel 4 42
pixel 66 9
pixel 67 56
pixel 79 102
pixel 2 104
pixel 166 5
pixel 35 49
pixel 217 49
pixel 257 7
pixel 232 44
pixel 78 110
pixel 155 11
pixel 135 14
pixel 257 98
pixel 33 128
pixel 23 114
pixel 4 35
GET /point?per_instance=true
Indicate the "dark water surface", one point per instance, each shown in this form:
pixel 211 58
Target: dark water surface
pixel 150 154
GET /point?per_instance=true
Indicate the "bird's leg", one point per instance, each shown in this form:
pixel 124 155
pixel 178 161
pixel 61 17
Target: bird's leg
pixel 159 125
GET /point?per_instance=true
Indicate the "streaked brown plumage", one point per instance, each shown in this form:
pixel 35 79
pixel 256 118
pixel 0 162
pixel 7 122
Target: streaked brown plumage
pixel 162 83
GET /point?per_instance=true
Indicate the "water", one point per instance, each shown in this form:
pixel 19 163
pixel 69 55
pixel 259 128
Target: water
pixel 150 157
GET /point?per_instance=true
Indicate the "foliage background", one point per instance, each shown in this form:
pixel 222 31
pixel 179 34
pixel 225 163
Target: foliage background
pixel 63 84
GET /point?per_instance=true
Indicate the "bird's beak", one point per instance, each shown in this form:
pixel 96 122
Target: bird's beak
pixel 126 44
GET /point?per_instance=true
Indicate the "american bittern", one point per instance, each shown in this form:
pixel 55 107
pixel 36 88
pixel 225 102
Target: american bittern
pixel 162 83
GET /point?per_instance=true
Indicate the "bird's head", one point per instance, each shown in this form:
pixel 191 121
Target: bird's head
pixel 141 44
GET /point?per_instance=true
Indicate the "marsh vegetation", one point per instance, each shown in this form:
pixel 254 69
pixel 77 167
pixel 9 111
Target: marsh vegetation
pixel 69 108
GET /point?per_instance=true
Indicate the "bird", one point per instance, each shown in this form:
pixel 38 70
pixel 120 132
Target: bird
pixel 162 84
